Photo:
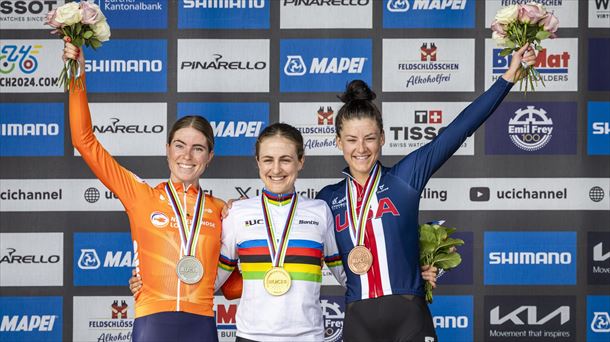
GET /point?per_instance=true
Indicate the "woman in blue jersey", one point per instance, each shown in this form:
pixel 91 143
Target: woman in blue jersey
pixel 376 212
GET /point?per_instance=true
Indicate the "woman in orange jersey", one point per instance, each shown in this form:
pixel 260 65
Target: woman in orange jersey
pixel 175 227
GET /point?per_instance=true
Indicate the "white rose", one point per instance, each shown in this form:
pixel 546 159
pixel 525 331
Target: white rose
pixel 507 14
pixel 101 31
pixel 500 39
pixel 68 14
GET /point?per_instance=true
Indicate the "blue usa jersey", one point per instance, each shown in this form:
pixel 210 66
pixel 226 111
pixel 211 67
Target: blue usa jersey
pixel 392 223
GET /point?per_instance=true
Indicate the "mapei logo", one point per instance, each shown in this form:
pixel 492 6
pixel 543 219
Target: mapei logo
pixel 601 322
pixel 530 129
pixel 517 316
pixel 236 129
pixel 88 260
pixel 295 65
pixel 405 5
pixel 22 57
pixel 25 323
pixel 103 258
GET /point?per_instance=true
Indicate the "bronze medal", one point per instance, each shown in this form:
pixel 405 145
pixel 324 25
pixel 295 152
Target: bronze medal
pixel 360 260
pixel 277 281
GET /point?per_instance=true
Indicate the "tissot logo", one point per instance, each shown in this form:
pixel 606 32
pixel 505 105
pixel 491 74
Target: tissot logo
pixel 30 6
pixel 26 14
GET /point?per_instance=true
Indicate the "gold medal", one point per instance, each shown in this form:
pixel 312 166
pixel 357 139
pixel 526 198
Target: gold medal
pixel 189 270
pixel 359 260
pixel 277 281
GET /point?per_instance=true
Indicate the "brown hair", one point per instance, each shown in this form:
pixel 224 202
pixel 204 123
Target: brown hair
pixel 283 130
pixel 358 99
pixel 197 122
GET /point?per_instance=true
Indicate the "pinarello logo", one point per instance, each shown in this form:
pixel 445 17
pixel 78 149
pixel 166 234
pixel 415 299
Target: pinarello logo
pixel 159 219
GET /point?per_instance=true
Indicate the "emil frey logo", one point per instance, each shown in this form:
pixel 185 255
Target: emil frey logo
pixel 12 56
pixel 530 129
pixel 333 320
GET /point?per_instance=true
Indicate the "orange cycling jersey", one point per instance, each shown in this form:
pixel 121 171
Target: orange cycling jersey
pixel 154 228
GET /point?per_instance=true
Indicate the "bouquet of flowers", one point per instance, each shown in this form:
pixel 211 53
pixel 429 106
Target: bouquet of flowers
pixel 78 23
pixel 436 249
pixel 517 25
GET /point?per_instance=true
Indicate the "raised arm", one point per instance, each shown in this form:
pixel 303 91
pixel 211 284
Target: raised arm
pixel 118 179
pixel 422 163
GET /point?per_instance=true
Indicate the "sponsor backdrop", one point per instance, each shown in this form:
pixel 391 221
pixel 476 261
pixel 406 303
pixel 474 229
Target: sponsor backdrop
pixel 529 191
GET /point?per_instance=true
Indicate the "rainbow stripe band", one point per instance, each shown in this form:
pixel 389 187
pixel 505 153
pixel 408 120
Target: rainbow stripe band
pixel 357 219
pixel 187 244
pixel 277 250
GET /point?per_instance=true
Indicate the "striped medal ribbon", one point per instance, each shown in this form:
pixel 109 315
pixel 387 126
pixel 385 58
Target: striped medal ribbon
pixel 189 269
pixel 277 280
pixel 360 258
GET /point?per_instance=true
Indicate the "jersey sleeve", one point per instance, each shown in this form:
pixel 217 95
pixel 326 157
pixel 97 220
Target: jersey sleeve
pixel 421 164
pixel 332 258
pixel 234 285
pixel 227 262
pixel 119 180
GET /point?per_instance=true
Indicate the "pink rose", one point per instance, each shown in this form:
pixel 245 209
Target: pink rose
pixel 550 23
pixel 497 27
pixel 91 13
pixel 50 20
pixel 531 13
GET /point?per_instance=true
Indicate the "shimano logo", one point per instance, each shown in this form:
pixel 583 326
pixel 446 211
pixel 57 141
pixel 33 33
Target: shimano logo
pixel 450 322
pixel 31 129
pixel 563 312
pixel 228 4
pixel 530 258
pixel 119 65
pixel 236 129
pixel 602 128
pixel 295 65
pixel 219 64
pixel 405 5
pixel 28 323
pixel 115 127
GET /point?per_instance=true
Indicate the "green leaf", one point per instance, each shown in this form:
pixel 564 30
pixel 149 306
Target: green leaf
pixel 78 41
pixel 506 52
pixel 77 28
pixel 427 247
pixel 451 242
pixel 426 234
pixel 88 34
pixel 95 43
pixel 543 35
pixel 447 261
pixel 450 230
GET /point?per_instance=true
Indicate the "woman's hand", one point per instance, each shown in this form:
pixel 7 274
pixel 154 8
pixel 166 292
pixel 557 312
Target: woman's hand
pixel 429 274
pixel 228 205
pixel 135 283
pixel 526 55
pixel 73 52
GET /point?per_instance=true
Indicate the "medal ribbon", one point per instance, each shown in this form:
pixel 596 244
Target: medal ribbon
pixel 357 220
pixel 277 250
pixel 187 244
